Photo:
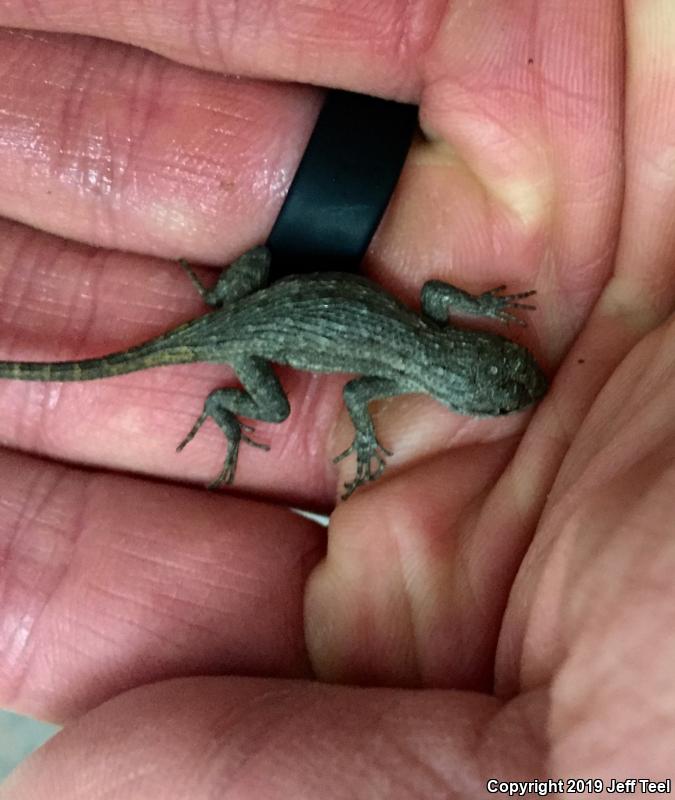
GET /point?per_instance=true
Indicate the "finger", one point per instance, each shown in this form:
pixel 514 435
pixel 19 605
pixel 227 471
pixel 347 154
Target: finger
pixel 615 351
pixel 128 151
pixel 62 301
pixel 603 557
pixel 372 48
pixel 593 604
pixel 109 582
pixel 417 574
pixel 644 286
pixel 209 737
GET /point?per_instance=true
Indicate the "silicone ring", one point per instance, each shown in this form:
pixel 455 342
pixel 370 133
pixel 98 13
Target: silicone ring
pixel 343 184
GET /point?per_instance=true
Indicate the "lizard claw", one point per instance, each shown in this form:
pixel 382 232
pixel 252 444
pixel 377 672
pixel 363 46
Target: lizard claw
pixel 193 431
pixel 248 440
pixel 345 453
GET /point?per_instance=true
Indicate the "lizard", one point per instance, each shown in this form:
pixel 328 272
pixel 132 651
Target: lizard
pixel 331 323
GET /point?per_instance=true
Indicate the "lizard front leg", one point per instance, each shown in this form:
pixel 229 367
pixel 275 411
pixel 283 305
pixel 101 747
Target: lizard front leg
pixel 439 297
pixel 261 398
pixel 244 276
pixel 370 463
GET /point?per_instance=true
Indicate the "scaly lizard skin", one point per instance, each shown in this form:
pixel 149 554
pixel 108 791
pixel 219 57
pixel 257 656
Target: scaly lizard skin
pixel 328 322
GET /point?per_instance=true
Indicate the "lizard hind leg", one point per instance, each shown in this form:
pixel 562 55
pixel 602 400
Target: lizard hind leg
pixel 261 398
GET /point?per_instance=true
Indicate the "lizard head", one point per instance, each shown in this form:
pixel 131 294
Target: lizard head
pixel 489 375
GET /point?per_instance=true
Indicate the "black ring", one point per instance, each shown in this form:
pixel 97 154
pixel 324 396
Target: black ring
pixel 343 184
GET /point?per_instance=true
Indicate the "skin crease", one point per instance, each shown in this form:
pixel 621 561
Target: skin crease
pixel 504 596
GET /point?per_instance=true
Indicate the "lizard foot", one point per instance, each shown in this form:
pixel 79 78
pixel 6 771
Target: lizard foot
pixel 499 306
pixel 233 429
pixel 370 460
pixel 226 474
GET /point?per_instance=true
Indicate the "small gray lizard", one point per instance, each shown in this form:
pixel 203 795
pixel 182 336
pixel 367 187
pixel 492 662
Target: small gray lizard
pixel 328 322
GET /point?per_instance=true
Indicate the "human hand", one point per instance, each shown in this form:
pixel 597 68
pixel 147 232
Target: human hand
pixel 557 646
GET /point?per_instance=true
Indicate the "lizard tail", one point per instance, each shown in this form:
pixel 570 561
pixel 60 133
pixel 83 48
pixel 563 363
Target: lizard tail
pixel 137 358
